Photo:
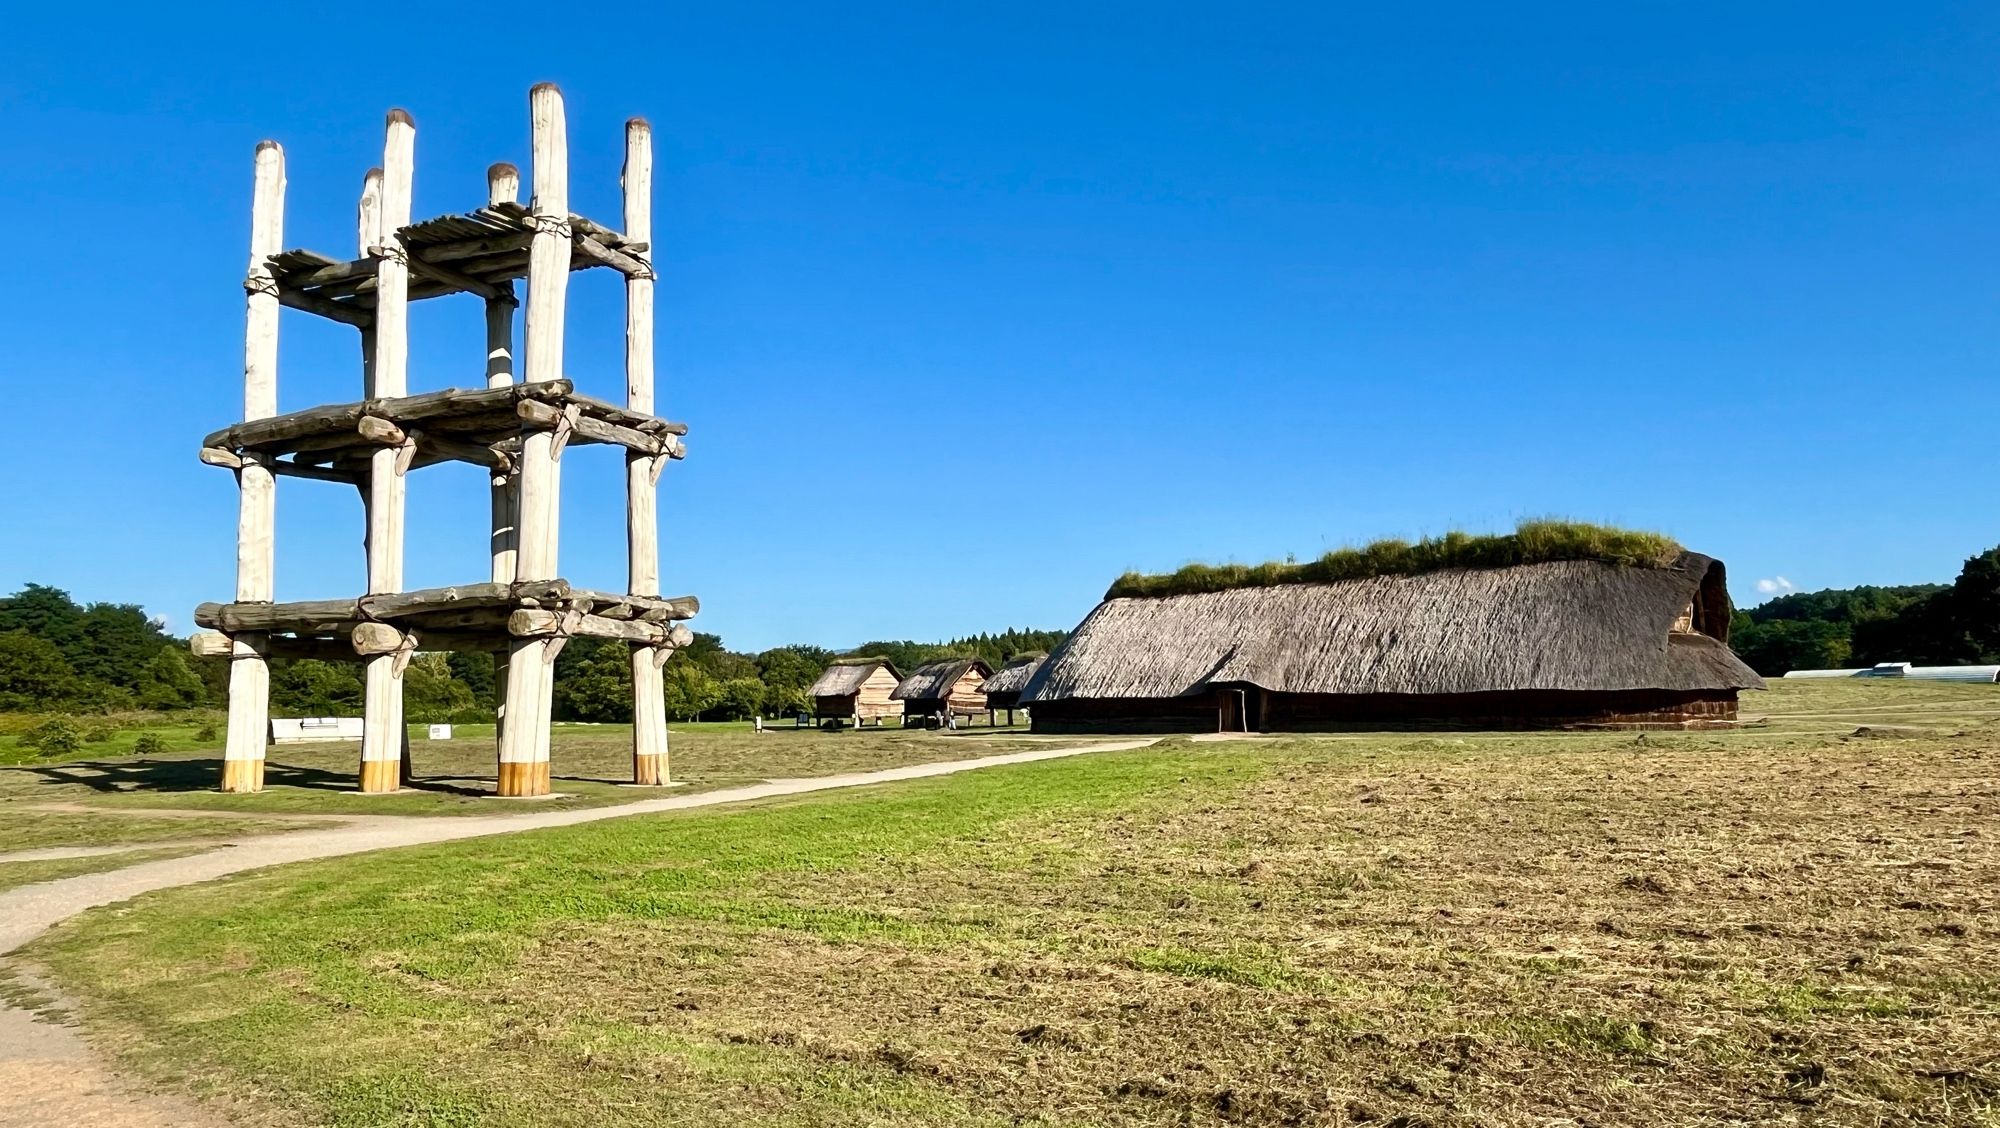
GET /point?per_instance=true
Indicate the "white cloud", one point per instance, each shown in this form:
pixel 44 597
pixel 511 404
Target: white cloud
pixel 1776 585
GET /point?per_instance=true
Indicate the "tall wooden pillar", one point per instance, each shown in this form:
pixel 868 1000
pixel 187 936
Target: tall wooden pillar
pixel 256 521
pixel 524 755
pixel 642 533
pixel 503 186
pixel 382 727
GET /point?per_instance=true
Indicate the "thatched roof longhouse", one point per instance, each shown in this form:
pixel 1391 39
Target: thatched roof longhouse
pixel 1562 625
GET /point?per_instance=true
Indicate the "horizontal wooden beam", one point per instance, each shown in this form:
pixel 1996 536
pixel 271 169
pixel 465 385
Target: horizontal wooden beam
pixel 590 430
pixel 308 616
pixel 439 273
pixel 334 419
pixel 326 307
pixel 539 624
pixel 617 260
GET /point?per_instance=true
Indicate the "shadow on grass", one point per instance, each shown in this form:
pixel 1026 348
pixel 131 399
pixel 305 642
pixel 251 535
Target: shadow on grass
pixel 170 776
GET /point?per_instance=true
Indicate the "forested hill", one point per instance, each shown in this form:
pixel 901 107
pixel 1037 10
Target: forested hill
pixel 1928 624
pixel 59 656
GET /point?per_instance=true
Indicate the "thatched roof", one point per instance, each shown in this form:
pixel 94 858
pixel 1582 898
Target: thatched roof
pixel 844 677
pixel 1013 677
pixel 1565 625
pixel 934 680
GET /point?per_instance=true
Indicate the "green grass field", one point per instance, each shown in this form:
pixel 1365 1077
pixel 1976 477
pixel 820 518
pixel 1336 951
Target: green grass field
pixel 1784 924
pixel 102 799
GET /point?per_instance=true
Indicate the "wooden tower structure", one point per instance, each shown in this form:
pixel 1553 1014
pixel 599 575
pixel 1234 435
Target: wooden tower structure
pixel 518 425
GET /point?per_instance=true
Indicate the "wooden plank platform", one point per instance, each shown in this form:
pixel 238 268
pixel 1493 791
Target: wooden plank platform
pixel 478 252
pixel 478 425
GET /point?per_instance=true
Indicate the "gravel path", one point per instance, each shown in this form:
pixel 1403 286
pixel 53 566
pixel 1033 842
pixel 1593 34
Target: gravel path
pixel 50 1079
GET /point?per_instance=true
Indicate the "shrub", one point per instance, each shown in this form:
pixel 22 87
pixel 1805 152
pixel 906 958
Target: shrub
pixel 207 733
pixel 57 736
pixel 149 744
pixel 99 734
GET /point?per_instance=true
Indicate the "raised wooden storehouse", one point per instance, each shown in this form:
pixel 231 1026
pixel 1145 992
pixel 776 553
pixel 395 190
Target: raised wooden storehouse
pixel 1566 642
pixel 1003 689
pixel 942 688
pixel 857 689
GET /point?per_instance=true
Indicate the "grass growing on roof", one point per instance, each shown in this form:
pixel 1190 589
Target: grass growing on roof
pixel 1531 542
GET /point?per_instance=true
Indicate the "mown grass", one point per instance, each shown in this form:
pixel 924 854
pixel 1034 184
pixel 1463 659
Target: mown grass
pixel 27 829
pixel 591 764
pixel 16 874
pixel 1531 542
pixel 1485 929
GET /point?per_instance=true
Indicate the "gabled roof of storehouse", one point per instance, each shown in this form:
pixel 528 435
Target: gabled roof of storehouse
pixel 1013 677
pixel 933 680
pixel 1556 625
pixel 845 677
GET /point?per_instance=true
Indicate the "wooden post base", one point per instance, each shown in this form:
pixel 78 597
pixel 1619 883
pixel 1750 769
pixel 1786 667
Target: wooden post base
pixel 649 770
pixel 378 776
pixel 243 776
pixel 524 780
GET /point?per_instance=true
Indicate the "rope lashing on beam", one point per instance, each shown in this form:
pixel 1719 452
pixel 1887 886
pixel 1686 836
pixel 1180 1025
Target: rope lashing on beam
pixel 557 225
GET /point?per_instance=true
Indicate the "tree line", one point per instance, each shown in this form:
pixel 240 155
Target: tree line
pixel 59 656
pixel 1925 624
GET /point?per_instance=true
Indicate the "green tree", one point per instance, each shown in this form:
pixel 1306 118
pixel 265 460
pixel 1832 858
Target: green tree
pixel 33 674
pixel 430 693
pixel 476 671
pixel 594 681
pixel 1773 648
pixel 308 687
pixel 690 691
pixel 168 682
pixel 787 672
pixel 1975 603
pixel 739 699
pixel 105 645
pixel 47 613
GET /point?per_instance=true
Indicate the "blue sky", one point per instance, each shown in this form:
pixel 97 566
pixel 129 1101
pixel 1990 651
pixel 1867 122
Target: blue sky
pixel 970 312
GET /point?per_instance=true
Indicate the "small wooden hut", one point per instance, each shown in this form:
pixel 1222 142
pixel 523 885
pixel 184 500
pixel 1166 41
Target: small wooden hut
pixel 1546 644
pixel 1003 690
pixel 936 691
pixel 858 690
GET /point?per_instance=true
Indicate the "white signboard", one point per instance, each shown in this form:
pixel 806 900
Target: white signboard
pixel 440 732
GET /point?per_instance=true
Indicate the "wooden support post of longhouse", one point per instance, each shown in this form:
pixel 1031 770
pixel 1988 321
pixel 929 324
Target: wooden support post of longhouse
pixel 649 704
pixel 249 675
pixel 382 727
pixel 524 764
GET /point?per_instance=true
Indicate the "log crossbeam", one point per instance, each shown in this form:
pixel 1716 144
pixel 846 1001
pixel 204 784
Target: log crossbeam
pixel 481 606
pixel 482 426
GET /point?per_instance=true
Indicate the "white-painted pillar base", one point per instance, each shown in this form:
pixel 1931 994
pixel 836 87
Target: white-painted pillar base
pixel 524 762
pixel 649 719
pixel 249 718
pixel 381 726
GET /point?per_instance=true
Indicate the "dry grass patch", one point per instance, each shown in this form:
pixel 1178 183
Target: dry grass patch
pixel 1464 930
